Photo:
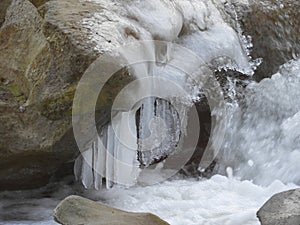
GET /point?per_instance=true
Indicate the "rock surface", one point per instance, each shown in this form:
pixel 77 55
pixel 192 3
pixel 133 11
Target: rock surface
pixel 44 52
pixel 78 210
pixel 281 209
pixel 3 7
pixel 274 26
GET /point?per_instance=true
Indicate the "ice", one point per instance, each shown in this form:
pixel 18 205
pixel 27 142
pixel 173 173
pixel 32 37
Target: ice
pixel 113 155
pixel 160 17
pixel 195 25
pixel 126 165
pixel 211 38
pixel 165 131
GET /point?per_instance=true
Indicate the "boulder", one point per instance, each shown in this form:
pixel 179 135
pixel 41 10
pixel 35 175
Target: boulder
pixel 78 210
pixel 44 53
pixel 281 209
pixel 274 27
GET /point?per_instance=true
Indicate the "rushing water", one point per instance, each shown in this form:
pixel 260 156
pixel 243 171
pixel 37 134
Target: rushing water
pixel 265 139
pixel 218 200
pixel 260 154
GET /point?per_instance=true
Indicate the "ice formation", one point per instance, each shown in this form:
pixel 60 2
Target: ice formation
pixel 195 25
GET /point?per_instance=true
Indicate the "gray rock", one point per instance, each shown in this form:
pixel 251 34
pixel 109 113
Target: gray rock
pixel 274 26
pixel 281 209
pixel 78 210
pixel 3 7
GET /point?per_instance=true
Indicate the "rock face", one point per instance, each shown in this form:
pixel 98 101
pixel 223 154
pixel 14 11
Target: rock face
pixel 78 210
pixel 281 209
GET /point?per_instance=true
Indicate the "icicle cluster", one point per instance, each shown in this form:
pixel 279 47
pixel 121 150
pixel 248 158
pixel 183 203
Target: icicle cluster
pixel 196 25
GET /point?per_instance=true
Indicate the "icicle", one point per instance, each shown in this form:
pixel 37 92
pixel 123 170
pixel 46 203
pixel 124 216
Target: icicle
pixel 78 168
pixel 87 171
pixel 109 156
pixel 96 166
pixel 126 166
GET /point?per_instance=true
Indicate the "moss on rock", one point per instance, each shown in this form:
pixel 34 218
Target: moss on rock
pixel 59 106
pixel 16 92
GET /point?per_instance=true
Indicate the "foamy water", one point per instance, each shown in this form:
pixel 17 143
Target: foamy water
pixel 219 200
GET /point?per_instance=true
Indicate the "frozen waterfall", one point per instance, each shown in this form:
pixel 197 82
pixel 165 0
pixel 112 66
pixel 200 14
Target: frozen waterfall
pixel 196 25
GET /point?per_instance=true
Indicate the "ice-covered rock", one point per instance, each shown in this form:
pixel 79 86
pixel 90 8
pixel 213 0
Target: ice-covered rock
pixel 196 25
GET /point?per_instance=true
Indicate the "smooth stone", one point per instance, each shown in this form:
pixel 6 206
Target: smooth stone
pixel 281 209
pixel 78 210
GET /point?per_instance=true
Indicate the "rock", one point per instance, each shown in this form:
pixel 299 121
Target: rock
pixel 281 209
pixel 274 27
pixel 44 53
pixel 38 3
pixel 78 210
pixel 3 7
pixel 22 149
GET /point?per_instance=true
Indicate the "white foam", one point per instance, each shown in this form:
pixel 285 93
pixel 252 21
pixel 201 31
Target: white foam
pixel 219 200
pixel 267 131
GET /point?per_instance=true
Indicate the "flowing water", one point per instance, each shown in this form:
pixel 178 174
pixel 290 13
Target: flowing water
pixel 260 153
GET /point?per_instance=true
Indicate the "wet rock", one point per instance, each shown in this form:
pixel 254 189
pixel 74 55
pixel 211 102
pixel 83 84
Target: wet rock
pixel 281 209
pixel 275 30
pixel 78 210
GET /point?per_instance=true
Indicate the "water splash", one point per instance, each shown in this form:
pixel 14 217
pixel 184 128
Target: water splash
pixel 266 131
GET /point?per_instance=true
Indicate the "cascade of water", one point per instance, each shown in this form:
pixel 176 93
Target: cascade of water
pixel 265 143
